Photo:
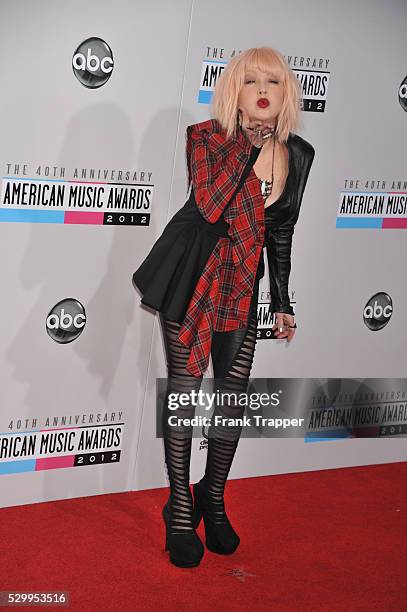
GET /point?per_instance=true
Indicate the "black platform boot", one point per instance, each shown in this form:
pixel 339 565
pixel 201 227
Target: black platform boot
pixel 220 536
pixel 185 548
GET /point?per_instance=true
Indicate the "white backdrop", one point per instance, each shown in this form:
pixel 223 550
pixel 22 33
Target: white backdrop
pixel 136 123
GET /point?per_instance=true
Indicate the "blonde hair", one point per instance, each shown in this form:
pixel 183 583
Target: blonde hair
pixel 224 106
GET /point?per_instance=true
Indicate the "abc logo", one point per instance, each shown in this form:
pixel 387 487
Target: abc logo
pixel 66 320
pixel 92 63
pixel 403 94
pixel 378 311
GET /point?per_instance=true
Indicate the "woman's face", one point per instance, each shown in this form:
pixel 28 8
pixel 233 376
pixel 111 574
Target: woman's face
pixel 263 86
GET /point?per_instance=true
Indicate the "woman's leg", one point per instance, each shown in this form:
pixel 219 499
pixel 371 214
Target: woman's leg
pixel 232 358
pixel 178 438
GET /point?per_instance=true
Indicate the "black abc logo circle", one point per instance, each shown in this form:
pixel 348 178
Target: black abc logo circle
pixel 92 62
pixel 403 94
pixel 378 310
pixel 66 321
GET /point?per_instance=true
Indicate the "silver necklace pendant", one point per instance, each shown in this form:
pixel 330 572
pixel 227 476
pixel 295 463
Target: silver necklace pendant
pixel 266 187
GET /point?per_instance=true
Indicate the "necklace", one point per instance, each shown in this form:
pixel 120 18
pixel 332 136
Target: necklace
pixel 267 186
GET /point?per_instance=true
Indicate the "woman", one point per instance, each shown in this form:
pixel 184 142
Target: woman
pixel 247 171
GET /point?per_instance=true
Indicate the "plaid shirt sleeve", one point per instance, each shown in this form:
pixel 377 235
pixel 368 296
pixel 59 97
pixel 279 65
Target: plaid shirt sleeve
pixel 214 167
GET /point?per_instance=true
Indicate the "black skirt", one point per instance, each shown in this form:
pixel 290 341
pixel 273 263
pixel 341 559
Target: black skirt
pixel 168 276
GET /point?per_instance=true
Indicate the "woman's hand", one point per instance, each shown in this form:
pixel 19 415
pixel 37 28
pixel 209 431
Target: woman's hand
pixel 256 131
pixel 283 321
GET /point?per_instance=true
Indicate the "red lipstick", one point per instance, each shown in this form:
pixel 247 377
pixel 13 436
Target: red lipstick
pixel 263 103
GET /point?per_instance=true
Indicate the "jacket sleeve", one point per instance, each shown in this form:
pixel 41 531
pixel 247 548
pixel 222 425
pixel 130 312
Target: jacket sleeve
pixel 278 241
pixel 214 168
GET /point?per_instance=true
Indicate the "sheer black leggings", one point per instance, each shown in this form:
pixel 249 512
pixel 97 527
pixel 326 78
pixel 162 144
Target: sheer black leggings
pixel 232 358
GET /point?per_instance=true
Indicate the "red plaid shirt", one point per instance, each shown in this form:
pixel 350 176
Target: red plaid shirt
pixel 222 297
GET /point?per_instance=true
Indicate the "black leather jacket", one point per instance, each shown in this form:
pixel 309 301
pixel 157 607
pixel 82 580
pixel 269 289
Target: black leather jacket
pixel 281 218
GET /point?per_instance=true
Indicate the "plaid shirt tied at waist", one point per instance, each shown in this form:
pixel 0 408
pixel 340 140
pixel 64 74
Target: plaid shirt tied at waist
pixel 222 297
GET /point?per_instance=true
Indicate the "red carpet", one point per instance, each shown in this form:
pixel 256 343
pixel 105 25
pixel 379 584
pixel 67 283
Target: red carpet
pixel 333 540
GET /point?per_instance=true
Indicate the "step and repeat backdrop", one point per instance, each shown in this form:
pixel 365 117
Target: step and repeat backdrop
pixel 95 103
